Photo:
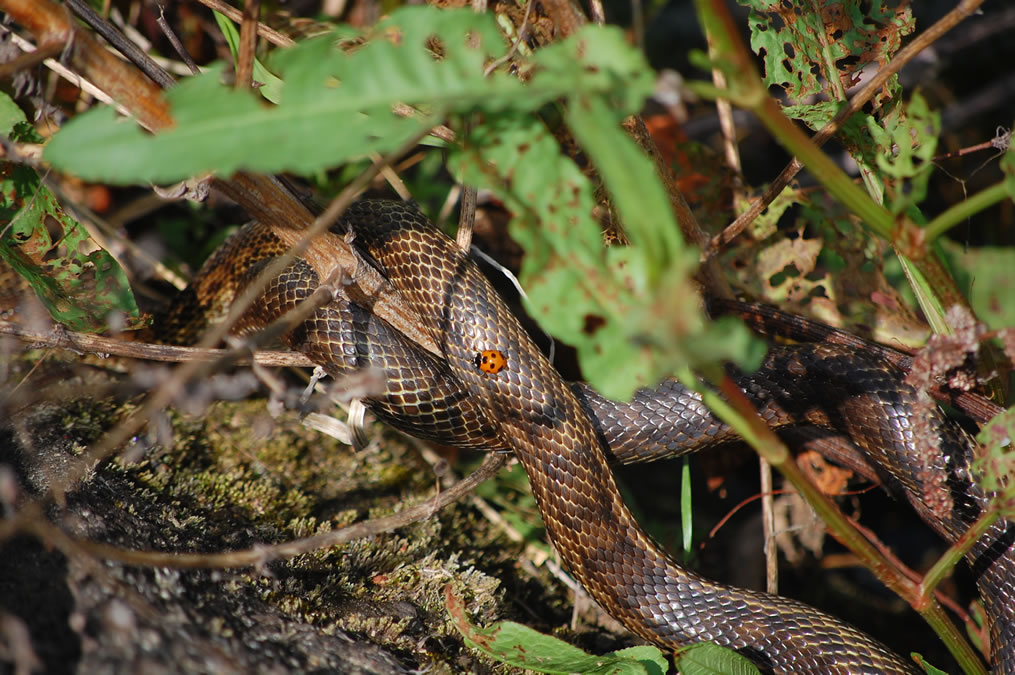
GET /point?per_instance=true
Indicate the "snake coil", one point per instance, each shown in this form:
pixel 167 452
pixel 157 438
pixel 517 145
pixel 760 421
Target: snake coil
pixel 562 435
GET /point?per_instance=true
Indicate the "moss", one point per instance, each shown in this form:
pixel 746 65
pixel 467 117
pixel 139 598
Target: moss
pixel 233 478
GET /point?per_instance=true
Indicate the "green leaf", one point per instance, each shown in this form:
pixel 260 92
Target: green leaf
pixel 907 144
pixel 927 668
pixel 708 658
pixel 686 510
pixel 520 646
pixel 14 124
pixel 995 465
pixel 78 282
pixel 10 114
pixel 271 85
pixel 983 274
pixel 335 106
pixel 821 48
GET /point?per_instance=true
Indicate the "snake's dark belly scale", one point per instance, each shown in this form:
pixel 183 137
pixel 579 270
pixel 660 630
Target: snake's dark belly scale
pixel 527 408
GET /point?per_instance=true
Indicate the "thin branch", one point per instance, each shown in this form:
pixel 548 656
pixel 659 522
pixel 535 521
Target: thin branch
pixel 174 40
pixel 119 41
pixel 466 217
pixel 29 59
pixel 248 43
pixel 269 34
pixel 768 527
pixel 97 344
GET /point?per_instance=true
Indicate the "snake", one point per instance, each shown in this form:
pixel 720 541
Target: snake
pixel 566 436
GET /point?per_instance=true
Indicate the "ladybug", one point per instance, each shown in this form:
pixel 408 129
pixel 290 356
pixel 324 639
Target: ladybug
pixel 491 361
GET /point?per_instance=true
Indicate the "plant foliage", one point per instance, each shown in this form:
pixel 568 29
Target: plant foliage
pixel 631 312
pixel 521 647
pixel 79 283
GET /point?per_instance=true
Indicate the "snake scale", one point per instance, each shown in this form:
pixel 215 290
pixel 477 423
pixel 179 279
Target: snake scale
pixel 564 436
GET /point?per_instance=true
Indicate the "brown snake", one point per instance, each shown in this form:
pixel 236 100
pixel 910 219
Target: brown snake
pixel 562 435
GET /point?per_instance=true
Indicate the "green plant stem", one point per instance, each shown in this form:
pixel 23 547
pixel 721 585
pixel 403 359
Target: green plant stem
pixel 956 552
pixel 747 89
pixel 874 216
pixel 964 209
pixel 733 408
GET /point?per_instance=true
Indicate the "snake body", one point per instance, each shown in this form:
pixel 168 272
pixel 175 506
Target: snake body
pixel 563 436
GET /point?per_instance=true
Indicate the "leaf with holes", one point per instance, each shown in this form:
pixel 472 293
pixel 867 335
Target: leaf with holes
pixel 80 284
pixel 822 48
pixel 632 312
pixel 907 144
pixel 995 464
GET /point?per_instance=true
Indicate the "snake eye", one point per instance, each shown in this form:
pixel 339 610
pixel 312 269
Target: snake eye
pixel 491 361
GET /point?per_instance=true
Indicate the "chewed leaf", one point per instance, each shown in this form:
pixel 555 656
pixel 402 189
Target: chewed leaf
pixel 907 142
pixel 632 312
pixel 995 466
pixel 821 48
pixel 80 284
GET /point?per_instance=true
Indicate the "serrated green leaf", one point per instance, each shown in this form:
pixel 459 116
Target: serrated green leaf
pixel 520 646
pixel 907 144
pixel 222 130
pixel 708 658
pixel 79 283
pixel 271 85
pixel 337 106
